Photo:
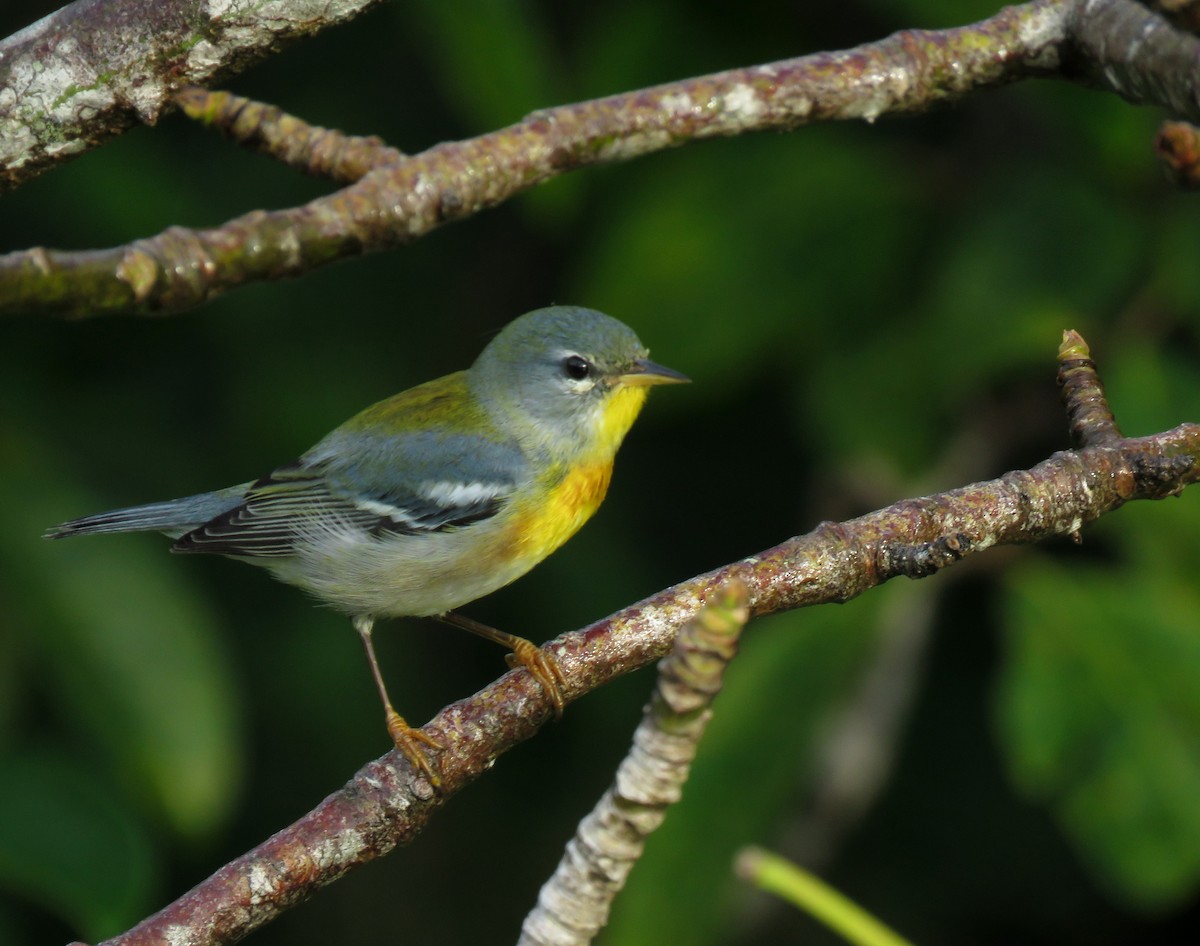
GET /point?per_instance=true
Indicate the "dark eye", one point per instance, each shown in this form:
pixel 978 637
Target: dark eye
pixel 577 368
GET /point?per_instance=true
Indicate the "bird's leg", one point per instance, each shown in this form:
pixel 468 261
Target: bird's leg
pixel 527 654
pixel 407 739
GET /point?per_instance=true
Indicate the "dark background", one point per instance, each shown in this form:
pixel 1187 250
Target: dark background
pixel 869 312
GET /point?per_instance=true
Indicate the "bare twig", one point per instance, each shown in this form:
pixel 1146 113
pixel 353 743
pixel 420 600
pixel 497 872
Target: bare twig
pixel 1090 417
pixel 573 904
pixel 322 152
pixel 385 805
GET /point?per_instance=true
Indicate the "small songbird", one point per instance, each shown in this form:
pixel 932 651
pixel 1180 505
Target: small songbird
pixel 440 494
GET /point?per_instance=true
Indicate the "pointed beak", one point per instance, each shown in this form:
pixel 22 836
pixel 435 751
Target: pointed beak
pixel 645 372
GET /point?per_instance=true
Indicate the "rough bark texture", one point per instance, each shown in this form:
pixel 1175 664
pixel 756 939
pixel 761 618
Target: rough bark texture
pixel 1116 45
pixel 94 68
pixel 574 903
pixel 910 71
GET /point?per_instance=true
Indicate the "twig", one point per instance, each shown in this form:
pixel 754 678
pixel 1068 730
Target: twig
pixel 573 904
pixel 322 152
pixel 1090 417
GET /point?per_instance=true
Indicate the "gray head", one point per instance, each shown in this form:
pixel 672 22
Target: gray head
pixel 559 366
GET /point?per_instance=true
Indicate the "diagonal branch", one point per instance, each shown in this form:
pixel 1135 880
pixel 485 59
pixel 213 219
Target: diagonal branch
pixel 1117 45
pixel 910 71
pixel 386 805
pixel 322 152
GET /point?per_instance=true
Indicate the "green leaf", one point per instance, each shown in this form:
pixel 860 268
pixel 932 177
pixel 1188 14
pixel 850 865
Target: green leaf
pixel 71 846
pixel 1099 708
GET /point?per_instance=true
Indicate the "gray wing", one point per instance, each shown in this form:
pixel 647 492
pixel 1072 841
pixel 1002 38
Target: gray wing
pixel 409 484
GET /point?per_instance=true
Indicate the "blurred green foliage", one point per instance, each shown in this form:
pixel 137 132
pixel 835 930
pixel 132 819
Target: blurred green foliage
pixel 869 312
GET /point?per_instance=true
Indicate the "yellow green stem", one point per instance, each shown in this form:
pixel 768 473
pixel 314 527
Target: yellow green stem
pixel 802 889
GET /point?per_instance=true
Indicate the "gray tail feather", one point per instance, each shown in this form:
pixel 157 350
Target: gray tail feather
pixel 174 517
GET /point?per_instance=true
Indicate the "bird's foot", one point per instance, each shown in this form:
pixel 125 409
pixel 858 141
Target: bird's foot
pixel 411 743
pixel 544 668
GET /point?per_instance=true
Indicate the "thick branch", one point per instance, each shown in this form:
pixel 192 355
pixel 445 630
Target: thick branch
pixel 1183 13
pixel 908 72
pixel 385 805
pixel 96 67
pixel 1125 48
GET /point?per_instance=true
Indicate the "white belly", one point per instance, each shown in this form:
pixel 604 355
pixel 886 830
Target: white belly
pixel 398 575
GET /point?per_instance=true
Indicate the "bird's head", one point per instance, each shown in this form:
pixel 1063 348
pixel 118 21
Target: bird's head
pixel 572 375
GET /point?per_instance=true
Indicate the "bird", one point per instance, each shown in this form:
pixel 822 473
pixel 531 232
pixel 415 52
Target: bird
pixel 438 495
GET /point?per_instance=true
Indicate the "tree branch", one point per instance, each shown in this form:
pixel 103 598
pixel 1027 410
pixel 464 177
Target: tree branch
pixel 573 905
pixel 91 70
pixel 1138 54
pixel 910 71
pixel 322 152
pixel 386 804
pixel 1117 45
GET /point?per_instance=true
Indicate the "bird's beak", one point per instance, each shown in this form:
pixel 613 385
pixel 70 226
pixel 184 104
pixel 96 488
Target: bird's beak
pixel 645 372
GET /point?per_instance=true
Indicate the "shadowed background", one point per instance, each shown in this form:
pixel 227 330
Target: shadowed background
pixel 1005 753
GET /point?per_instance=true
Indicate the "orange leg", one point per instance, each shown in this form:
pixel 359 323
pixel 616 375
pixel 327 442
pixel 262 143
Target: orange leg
pixel 527 654
pixel 408 740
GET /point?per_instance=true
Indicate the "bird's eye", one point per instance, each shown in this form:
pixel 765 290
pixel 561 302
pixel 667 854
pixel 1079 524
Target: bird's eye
pixel 576 368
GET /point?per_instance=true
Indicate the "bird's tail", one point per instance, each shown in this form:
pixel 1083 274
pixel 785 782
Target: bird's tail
pixel 173 517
